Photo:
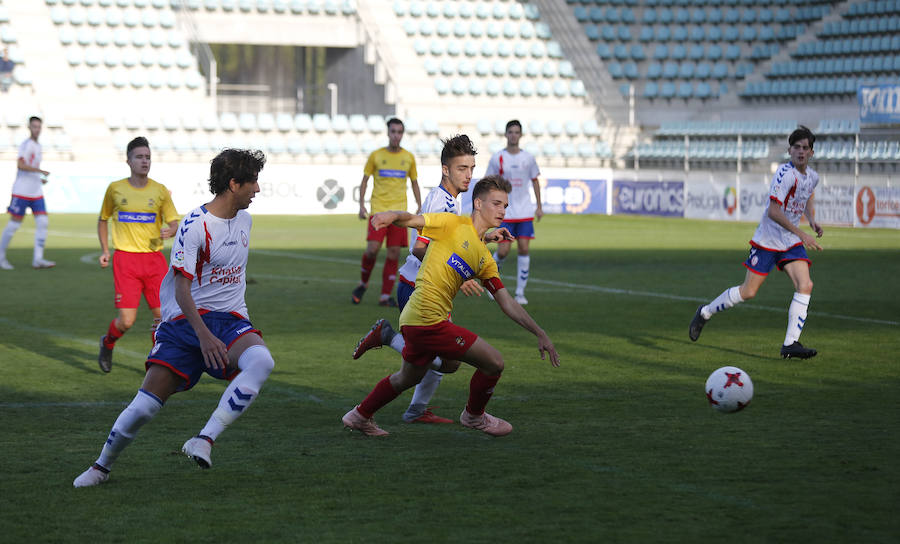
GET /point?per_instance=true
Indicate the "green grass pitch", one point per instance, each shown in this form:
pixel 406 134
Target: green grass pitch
pixel 617 445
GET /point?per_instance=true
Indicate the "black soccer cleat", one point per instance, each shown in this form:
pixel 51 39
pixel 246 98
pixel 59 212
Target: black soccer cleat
pixel 697 324
pixel 797 351
pixel 105 357
pixel 357 294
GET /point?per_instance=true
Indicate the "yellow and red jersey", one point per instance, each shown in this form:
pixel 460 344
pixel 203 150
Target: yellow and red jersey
pixel 390 170
pixel 137 215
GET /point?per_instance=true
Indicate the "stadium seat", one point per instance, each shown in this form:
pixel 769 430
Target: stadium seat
pixel 228 122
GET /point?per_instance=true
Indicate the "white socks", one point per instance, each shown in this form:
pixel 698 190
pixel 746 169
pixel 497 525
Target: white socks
pixel 727 299
pixel 422 395
pixel 524 263
pixel 40 235
pixel 397 343
pixel 796 318
pixel 256 364
pixel 143 407
pixel 11 228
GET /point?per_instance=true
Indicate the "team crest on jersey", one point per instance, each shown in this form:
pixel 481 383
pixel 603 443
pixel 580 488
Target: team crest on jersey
pixel 178 259
pixel 124 202
pixel 460 341
pixel 151 203
pixel 465 244
pixel 481 263
pixel 244 239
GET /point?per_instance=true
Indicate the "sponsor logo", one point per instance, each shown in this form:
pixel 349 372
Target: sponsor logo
pixel 664 198
pixel 242 330
pixel 245 240
pixel 137 217
pixel 156 347
pixel 390 173
pixel 226 274
pixel 179 257
pixel 865 205
pixel 459 265
pixel 465 244
pixel 229 243
pixel 151 203
pixel 729 200
pixel 330 194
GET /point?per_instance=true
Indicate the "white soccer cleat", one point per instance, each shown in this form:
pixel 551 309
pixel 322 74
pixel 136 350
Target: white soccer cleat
pixel 199 449
pixel 91 477
pixel 37 264
pixel 4 265
pixel 521 300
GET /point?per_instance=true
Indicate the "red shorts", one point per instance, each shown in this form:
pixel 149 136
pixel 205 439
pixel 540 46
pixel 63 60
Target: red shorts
pixel 396 236
pixel 443 339
pixel 136 273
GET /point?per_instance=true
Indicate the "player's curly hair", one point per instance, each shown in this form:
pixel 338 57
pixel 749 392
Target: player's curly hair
pixel 240 165
pixel 802 133
pixel 456 146
pixel 490 183
pixel 140 141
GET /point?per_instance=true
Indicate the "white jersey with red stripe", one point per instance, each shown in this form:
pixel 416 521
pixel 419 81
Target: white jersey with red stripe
pixel 438 200
pixel 28 184
pixel 211 252
pixel 519 169
pixel 791 190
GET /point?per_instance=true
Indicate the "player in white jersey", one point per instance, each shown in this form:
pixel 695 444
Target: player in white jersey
pixel 27 192
pixel 205 324
pixel 457 167
pixel 778 241
pixel 519 168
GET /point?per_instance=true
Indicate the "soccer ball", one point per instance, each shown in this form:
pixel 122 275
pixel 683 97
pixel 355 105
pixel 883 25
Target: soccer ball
pixel 729 389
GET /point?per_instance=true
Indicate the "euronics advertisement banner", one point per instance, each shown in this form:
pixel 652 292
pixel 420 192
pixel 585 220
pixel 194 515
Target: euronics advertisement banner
pixel 879 104
pixel 877 207
pixel 663 198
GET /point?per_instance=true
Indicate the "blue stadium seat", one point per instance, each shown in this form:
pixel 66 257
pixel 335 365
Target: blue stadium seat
pixel 667 90
pixel 651 89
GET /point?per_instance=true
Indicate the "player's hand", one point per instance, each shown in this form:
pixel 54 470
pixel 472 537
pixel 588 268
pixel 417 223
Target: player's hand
pixel 471 288
pixel 382 219
pixel 104 259
pixel 545 345
pixel 215 353
pixel 538 213
pixel 818 228
pixel 362 212
pixel 499 235
pixel 167 232
pixel 809 241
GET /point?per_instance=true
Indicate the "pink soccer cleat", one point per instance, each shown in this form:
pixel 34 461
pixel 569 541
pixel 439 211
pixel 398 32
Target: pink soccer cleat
pixel 487 423
pixel 356 421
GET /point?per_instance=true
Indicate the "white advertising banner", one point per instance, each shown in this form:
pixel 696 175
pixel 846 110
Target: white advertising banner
pixel 877 207
pixel 710 199
pixel 834 204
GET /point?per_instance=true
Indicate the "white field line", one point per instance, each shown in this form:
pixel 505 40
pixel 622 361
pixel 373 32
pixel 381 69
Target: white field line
pixel 574 287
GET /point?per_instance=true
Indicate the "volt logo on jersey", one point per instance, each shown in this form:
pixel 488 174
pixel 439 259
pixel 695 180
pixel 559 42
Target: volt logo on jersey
pixel 460 266
pixel 388 173
pixel 137 217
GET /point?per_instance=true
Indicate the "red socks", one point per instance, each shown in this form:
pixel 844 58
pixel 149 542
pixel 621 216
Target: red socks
pixel 367 266
pixel 481 387
pixel 112 335
pixel 388 277
pixel 379 397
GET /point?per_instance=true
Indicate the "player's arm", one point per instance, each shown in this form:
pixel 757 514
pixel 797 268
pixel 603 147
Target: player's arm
pixel 414 183
pixel 538 211
pixel 517 313
pixel 363 185
pixel 398 218
pixel 103 235
pixel 169 230
pixel 215 353
pixel 810 213
pixel 499 235
pixel 776 214
pixel 25 166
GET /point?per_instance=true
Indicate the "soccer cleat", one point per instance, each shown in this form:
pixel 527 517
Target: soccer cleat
pixel 356 421
pixel 94 475
pixel 389 302
pixel 37 264
pixel 4 265
pixel 797 351
pixel 487 423
pixel 521 300
pixel 105 357
pixel 697 324
pixel 199 449
pixel 381 335
pixel 429 417
pixel 357 294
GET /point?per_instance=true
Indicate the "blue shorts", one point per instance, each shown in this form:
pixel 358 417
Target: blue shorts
pixel 404 291
pixel 178 349
pixel 18 205
pixel 762 260
pixel 520 229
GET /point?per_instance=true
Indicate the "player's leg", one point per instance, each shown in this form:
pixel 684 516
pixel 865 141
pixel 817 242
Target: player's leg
pixel 489 366
pixel 16 214
pixel 389 388
pixel 419 410
pixel 158 385
pixel 249 354
pixel 157 268
pixel 41 226
pixel 127 284
pixel 523 261
pixel 758 265
pixel 389 276
pixel 370 255
pixel 798 271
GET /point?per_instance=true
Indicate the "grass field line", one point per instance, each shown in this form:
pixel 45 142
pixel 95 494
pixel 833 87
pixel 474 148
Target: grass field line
pixel 65 336
pixel 574 286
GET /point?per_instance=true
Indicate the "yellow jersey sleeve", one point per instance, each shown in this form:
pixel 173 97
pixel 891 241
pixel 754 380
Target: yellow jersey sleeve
pixel 109 204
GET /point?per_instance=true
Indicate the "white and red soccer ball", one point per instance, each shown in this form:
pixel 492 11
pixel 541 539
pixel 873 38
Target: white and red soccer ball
pixel 729 389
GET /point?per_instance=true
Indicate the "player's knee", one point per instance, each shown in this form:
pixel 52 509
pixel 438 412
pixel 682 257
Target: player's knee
pixel 449 367
pixel 805 287
pixel 125 322
pixel 494 366
pixel 258 361
pixel 747 292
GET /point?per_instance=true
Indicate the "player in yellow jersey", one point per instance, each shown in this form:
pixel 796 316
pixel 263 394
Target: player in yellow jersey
pixel 456 253
pixel 389 166
pixel 138 207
